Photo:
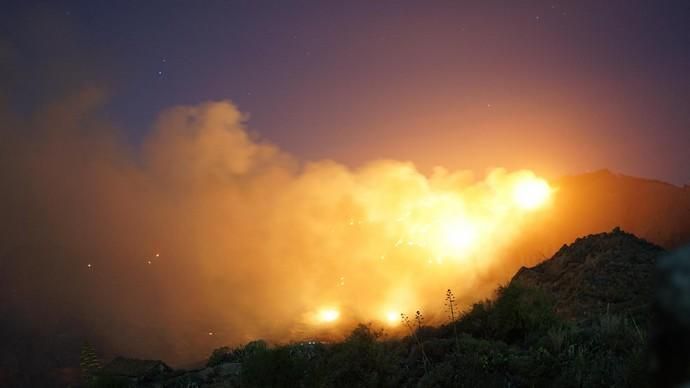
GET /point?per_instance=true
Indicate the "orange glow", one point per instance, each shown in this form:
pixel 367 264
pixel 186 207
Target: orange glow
pixel 458 235
pixel 283 249
pixel 392 317
pixel 433 234
pixel 329 315
pixel 531 193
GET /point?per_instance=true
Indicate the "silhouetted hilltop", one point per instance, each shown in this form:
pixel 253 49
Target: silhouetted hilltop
pixel 607 272
pixel 600 201
pixel 656 211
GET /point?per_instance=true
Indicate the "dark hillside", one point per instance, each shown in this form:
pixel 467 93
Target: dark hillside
pixel 611 272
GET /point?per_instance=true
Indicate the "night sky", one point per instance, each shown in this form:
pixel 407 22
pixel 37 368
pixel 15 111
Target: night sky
pixel 559 87
pixel 177 176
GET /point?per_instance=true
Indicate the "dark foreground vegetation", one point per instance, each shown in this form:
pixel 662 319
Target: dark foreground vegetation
pixel 580 319
pixel 516 340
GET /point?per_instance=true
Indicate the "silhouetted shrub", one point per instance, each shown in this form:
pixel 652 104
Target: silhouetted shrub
pixel 521 313
pixel 476 321
pixel 361 360
pixel 220 355
pixel 276 367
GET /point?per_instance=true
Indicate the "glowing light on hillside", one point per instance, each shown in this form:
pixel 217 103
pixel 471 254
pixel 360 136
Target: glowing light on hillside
pixel 391 243
pixel 392 317
pixel 531 193
pixel 329 315
pixel 458 235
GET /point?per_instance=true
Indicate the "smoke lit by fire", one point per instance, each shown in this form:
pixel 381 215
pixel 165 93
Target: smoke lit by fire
pixel 209 227
pixel 436 232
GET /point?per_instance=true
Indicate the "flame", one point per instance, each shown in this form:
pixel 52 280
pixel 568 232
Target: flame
pixel 531 193
pixel 329 315
pixel 392 317
pixel 368 240
pixel 449 231
pixel 458 235
pixel 315 245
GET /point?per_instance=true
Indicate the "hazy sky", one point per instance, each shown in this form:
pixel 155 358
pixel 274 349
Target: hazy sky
pixel 560 87
pixel 157 157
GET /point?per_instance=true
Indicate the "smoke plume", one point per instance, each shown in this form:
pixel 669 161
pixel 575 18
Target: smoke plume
pixel 206 235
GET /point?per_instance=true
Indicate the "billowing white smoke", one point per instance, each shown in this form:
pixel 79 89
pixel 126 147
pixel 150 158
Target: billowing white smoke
pixel 209 236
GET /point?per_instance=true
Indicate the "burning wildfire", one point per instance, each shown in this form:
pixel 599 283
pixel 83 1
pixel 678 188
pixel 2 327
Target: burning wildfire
pixel 329 315
pixel 438 232
pixel 531 193
pixel 258 244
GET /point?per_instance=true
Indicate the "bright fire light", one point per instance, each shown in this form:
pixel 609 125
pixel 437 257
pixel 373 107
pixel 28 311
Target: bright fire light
pixel 430 235
pixel 392 317
pixel 459 235
pixel 329 315
pixel 531 193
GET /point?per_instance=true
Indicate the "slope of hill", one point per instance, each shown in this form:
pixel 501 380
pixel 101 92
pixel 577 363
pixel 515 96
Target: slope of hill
pixel 607 272
pixel 531 335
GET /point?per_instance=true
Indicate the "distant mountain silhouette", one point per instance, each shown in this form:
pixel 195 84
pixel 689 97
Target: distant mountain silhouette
pixel 656 211
pixel 600 201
